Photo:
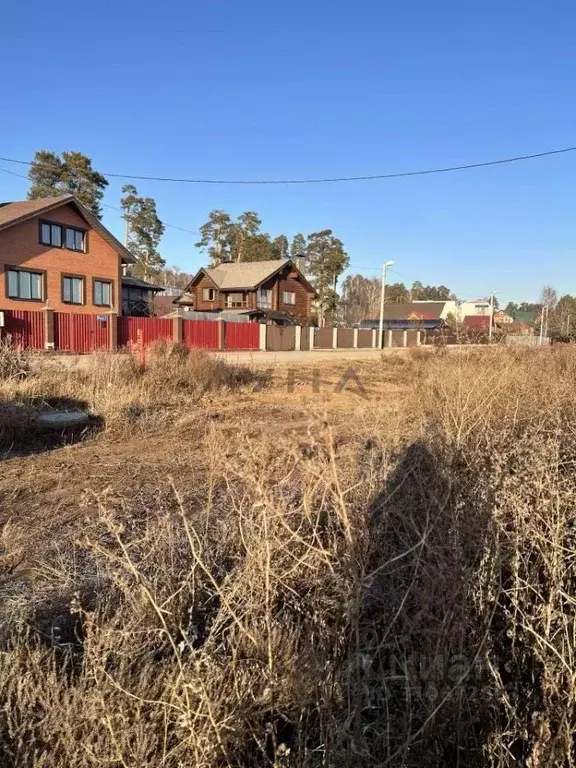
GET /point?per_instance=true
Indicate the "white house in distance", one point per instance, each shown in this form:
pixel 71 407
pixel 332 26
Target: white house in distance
pixel 461 309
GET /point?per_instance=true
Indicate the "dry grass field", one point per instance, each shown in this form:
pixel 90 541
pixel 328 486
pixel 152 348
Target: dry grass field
pixel 368 564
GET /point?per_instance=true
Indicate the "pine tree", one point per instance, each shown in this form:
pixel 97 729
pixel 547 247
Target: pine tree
pixel 280 247
pixel 326 259
pixel 145 231
pixel 226 240
pixel 298 247
pixel 246 227
pixel 71 174
pixel 45 175
pixel 218 237
pixel 258 248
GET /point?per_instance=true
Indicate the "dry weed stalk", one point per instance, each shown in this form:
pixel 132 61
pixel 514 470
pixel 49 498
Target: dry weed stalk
pixel 374 594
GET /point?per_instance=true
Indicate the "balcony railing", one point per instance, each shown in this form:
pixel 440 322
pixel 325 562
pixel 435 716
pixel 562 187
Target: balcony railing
pixel 137 307
pixel 263 304
pixel 236 304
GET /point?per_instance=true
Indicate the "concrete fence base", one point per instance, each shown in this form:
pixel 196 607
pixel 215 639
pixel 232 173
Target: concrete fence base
pixel 309 338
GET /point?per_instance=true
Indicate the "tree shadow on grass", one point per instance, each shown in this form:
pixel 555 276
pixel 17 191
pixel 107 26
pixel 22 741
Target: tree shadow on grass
pixel 419 674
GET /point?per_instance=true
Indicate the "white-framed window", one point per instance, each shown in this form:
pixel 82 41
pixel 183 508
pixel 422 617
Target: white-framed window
pixel 24 284
pixel 236 300
pixel 102 293
pixel 288 297
pixel 72 290
pixel 208 294
pixel 264 298
pixel 481 309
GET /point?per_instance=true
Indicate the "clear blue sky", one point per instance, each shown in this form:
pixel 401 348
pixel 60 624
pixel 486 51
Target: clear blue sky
pixel 295 89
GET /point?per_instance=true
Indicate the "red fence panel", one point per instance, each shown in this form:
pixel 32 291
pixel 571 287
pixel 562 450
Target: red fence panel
pixel 151 329
pixel 25 328
pixel 80 333
pixel 242 335
pixel 200 334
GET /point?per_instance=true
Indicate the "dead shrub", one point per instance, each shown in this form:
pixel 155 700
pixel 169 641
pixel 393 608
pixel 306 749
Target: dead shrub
pixel 115 388
pixel 14 363
pixel 419 353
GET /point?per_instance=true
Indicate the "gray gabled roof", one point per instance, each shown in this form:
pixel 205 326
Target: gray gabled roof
pixel 245 275
pixel 22 210
pixel 135 282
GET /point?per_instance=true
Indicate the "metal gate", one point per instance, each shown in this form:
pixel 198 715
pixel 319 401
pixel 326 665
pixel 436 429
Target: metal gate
pixel 148 329
pixel 80 333
pixel 281 338
pixel 241 335
pixel 200 334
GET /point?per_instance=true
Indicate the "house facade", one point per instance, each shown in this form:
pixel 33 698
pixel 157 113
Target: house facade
pixel 459 309
pixel 273 292
pixel 55 253
pixel 502 318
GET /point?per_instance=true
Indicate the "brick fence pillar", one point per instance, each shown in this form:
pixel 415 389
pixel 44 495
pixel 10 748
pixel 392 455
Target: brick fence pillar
pixel 297 338
pixel 177 330
pixel 221 332
pixel 374 339
pixel 48 328
pixel 311 345
pixel 405 339
pixel 263 331
pixel 113 331
pixel 355 339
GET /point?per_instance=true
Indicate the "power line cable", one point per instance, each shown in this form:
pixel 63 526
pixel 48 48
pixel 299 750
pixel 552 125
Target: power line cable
pixel 172 226
pixel 113 207
pixel 404 174
pixel 378 269
pixel 395 271
pixel 12 173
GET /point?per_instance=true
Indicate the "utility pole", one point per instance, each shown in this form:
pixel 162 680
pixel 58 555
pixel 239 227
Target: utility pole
pixel 382 296
pixel 124 266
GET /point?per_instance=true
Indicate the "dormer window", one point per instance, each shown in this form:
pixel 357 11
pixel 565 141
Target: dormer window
pixel 51 234
pixel 60 236
pixel 74 239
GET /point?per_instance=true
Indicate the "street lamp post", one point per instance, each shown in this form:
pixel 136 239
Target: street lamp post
pixel 544 314
pixel 382 296
pixel 490 327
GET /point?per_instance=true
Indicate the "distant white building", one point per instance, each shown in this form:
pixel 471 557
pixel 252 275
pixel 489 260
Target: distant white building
pixel 461 309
